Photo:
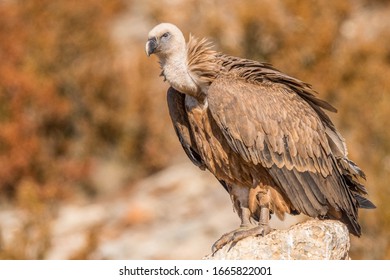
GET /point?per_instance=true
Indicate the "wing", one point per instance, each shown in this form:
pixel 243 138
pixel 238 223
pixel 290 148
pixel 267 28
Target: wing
pixel 270 124
pixel 183 130
pixel 182 127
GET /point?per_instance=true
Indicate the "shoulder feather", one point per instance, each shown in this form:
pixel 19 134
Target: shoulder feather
pixel 201 60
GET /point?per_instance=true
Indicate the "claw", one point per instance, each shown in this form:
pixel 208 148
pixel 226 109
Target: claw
pixel 239 234
pixel 225 239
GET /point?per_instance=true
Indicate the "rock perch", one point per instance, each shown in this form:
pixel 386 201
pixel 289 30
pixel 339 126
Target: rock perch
pixel 310 240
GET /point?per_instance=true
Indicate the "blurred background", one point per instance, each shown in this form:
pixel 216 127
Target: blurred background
pixel 90 167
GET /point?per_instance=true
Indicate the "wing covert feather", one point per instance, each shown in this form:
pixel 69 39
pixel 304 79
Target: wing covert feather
pixel 269 125
pixel 273 126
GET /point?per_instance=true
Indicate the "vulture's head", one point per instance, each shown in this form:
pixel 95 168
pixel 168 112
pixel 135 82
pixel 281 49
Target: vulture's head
pixel 164 40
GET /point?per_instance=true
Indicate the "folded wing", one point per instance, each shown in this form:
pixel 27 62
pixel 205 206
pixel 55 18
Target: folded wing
pixel 269 124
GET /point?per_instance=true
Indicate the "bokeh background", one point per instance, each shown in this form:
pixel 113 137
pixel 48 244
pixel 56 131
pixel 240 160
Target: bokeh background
pixel 90 166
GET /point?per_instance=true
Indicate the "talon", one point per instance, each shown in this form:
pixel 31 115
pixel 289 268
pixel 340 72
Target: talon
pixel 239 234
pixel 225 239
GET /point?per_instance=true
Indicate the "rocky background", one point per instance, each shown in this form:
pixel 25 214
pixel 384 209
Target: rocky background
pixel 90 167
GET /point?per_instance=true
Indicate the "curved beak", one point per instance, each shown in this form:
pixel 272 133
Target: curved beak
pixel 151 46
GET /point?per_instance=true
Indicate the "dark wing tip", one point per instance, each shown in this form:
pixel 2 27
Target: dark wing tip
pixel 364 202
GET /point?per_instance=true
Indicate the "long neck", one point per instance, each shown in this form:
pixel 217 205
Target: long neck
pixel 175 71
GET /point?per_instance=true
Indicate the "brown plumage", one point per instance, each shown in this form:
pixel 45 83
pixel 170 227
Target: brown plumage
pixel 263 134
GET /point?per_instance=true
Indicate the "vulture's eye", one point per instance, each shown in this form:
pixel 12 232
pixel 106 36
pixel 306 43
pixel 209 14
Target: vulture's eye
pixel 165 35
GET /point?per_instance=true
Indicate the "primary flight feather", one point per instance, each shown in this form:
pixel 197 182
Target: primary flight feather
pixel 263 134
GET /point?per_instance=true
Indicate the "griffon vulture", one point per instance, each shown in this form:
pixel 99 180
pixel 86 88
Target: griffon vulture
pixel 263 134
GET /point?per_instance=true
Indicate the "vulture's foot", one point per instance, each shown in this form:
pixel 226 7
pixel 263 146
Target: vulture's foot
pixel 246 229
pixel 239 234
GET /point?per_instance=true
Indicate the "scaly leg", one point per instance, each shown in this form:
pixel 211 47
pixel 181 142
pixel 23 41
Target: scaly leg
pixel 245 229
pixel 228 237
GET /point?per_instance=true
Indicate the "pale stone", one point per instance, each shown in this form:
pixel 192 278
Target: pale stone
pixel 310 240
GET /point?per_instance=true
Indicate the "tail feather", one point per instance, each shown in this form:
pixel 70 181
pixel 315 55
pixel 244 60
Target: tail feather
pixel 351 174
pixel 352 224
pixel 364 202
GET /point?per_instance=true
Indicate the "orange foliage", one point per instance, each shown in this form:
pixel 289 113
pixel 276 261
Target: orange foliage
pixel 48 86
